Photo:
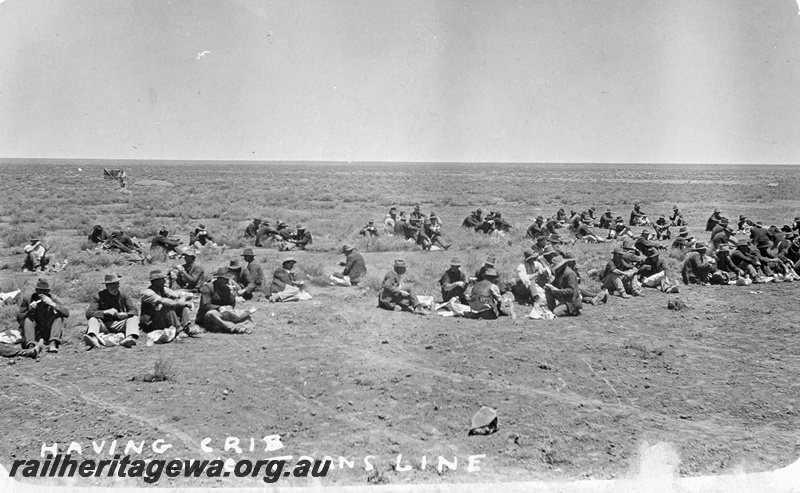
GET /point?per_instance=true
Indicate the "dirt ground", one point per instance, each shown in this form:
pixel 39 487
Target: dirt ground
pixel 334 376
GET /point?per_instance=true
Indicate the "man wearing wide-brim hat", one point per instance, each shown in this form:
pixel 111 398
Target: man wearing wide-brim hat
pixel 252 229
pixel 241 276
pixel 715 218
pixel 190 276
pixel 35 255
pixel 394 294
pixel 256 271
pixel 162 241
pixel 370 230
pixel 355 269
pixel 164 310
pixel 453 282
pixel 41 317
pixel 747 260
pixel 485 300
pixel 300 240
pixel 537 229
pixel 111 312
pixel 563 294
pixel 653 273
pixel 488 264
pixel 696 266
pixel 266 233
pixel 285 286
pixel 217 311
pixel 619 276
pixel 726 270
pixel 661 227
pixel 619 230
pixel 533 275
pixel 683 240
pixel 677 217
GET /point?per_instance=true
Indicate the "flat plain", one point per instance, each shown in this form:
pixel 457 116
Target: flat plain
pixel 335 376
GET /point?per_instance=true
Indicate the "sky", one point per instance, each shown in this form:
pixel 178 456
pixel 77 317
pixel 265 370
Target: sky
pixel 618 81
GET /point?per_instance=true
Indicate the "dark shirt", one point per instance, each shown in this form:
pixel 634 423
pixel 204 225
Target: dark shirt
pixel 695 269
pixel 251 230
pixel 98 236
pixel 193 279
pixel 41 313
pixel 103 300
pixel 212 297
pixel 280 278
pixel 713 221
pixel 652 266
pixel 257 274
pixel 161 241
pixel 302 239
pixel 760 236
pixel 567 290
pixel 243 279
pixel 355 267
pixel 536 230
pixel 449 277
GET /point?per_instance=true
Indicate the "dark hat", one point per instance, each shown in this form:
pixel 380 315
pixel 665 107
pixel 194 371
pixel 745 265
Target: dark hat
pixel 371 222
pixel 234 265
pixel 256 219
pixel 742 242
pixel 281 223
pixel 202 226
pixel 34 238
pixel 742 216
pixel 42 285
pixel 797 219
pixel 490 272
pixel 786 228
pixel 301 227
pixel 558 262
pixel 645 232
pixel 619 219
pixel 392 209
pixel 759 223
pixel 619 251
pixel 400 263
pixel 248 252
pixel 157 274
pixel 570 257
pixel 490 261
pixel 433 214
pixel 222 273
pixel 724 221
pixel 628 244
pixel 699 246
pixel 539 218
pixel 110 278
pixel 716 210
pixel 529 255
pixel 683 231
pixel 347 248
pixel 455 261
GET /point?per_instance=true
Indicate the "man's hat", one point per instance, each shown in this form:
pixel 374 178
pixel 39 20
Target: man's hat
pixel 759 223
pixel 786 228
pixel 723 248
pixel 724 221
pixel 202 226
pixel 683 231
pixel 300 226
pixel 157 274
pixel 619 251
pixel 248 252
pixel 628 244
pixel 742 216
pixel 645 232
pixel 797 219
pixel 347 248
pixel 619 219
pixel 371 222
pixel 699 246
pixel 674 207
pixel 455 261
pixel 289 259
pixel 110 279
pixel 558 261
pixel 222 273
pixel 42 285
pixel 281 223
pixel 234 265
pixel 400 263
pixel 490 272
pixel 716 210
pixel 539 218
pixel 393 209
pixel 189 252
pixel 548 250
pixel 256 219
pixel 529 255
pixel 742 242
pixel 34 238
pixel 490 261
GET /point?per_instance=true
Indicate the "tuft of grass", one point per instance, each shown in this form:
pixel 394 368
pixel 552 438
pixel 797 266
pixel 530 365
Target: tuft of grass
pixel 163 370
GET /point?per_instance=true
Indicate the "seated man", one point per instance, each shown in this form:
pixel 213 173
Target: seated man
pixel 500 224
pixel 285 286
pixel 252 229
pixel 485 302
pixel 266 233
pixel 619 230
pixel 747 262
pixel 369 230
pixel 416 213
pixel 661 226
pixel 638 217
pixel 474 220
pixel 284 236
pixel 619 276
pixel 653 273
pixel 715 218
pixel 35 256
pixel 488 264
pixel 164 313
pixel 301 238
pixel 436 221
pixel 41 317
pixel 726 271
pixel 563 294
pixel 721 233
pixel 537 229
pixel 644 244
pixel 586 233
pixel 163 242
pixel 244 283
pixel 696 267
pixel 744 223
pixel 533 276
pixel 561 215
pixel 217 311
pixel 111 312
pixel 190 276
pixel 255 270
pixel 454 283
pixel 683 240
pixel 200 238
pixel 98 234
pixel 393 295
pixel 355 269
pixel 122 243
pixel 389 222
pixel 677 217
pixel 607 220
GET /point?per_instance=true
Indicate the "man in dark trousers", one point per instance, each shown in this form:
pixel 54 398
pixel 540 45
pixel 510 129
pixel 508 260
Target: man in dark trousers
pixel 454 282
pixel 111 312
pixel 252 229
pixel 41 317
pixel 163 308
pixel 393 294
pixel 164 242
pixel 563 294
pixel 242 278
pixel 714 219
pixel 696 268
pixel 217 306
pixel 190 276
pixel 355 269
pixel 537 229
pixel 255 270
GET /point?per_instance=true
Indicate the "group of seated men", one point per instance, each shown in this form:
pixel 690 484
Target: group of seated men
pixel 286 238
pixel 493 222
pixel 422 229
